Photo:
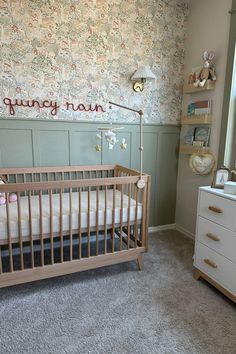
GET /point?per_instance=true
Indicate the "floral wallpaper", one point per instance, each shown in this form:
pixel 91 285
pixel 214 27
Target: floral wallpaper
pixel 84 52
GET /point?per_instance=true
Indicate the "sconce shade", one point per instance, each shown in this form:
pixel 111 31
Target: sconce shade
pixel 143 72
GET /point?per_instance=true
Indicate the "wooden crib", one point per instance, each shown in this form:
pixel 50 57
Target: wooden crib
pixel 70 219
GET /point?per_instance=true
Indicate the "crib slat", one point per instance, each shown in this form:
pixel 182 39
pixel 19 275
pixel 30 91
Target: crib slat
pixel 97 219
pixel 113 218
pixel 48 179
pixel 55 178
pixel 61 227
pixel 20 231
pixel 51 227
pixel 70 224
pixel 102 175
pixel 134 190
pixel 143 227
pixel 32 180
pixel 41 228
pixel 128 224
pixel 105 222
pixel 24 182
pixel 121 215
pixel 88 222
pixel 79 222
pixel 30 230
pixel 83 179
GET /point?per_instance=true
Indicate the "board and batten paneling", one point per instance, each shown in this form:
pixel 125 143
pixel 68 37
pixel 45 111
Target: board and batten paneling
pixel 82 151
pixel 117 155
pixel 168 152
pixel 16 147
pixel 29 142
pixel 54 147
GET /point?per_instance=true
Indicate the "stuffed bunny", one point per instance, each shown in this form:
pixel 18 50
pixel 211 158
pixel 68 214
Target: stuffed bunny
pixel 207 71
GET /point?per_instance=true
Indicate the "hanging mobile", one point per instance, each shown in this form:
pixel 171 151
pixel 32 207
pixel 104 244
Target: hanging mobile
pixel 110 135
pixel 141 182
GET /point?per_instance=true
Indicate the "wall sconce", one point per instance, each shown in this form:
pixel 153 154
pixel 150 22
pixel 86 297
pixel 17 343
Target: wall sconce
pixel 140 76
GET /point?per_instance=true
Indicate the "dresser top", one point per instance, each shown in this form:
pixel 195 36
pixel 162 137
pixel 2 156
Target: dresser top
pixel 219 192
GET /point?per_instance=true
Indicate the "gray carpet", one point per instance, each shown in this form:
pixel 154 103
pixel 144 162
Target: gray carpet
pixel 121 310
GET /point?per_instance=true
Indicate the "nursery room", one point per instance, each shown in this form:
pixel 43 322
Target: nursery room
pixel 117 176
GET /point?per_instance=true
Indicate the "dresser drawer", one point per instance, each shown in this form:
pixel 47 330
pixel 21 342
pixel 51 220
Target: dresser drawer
pixel 217 238
pixel 218 209
pixel 216 266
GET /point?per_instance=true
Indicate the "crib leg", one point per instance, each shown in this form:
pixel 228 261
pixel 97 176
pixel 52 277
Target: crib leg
pixel 140 262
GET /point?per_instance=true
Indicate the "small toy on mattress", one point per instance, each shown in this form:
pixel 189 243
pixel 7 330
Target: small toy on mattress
pixel 12 197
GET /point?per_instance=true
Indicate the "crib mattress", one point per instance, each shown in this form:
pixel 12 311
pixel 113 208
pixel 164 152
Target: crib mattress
pixel 35 213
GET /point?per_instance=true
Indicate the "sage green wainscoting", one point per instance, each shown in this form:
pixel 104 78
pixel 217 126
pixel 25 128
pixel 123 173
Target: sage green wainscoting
pixel 26 142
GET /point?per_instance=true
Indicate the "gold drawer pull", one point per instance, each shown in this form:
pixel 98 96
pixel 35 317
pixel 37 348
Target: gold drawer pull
pixel 210 263
pixel 215 209
pixel 213 237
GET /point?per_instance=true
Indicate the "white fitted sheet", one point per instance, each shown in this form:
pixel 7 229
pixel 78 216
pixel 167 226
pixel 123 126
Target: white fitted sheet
pixel 35 212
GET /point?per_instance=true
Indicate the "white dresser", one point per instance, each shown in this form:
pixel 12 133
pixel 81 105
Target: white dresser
pixel 215 244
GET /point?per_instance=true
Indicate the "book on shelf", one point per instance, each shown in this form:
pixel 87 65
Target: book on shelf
pixel 197 136
pixel 199 108
pixel 188 140
pixel 202 134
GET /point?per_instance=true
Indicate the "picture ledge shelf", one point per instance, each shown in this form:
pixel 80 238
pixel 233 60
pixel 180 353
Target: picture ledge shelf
pixel 189 149
pixel 196 119
pixel 209 85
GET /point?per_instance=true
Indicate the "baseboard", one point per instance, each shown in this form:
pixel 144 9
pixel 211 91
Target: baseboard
pixel 172 227
pixel 161 227
pixel 184 231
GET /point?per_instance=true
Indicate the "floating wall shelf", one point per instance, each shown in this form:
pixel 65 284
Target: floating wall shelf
pixel 197 119
pixel 209 85
pixel 189 149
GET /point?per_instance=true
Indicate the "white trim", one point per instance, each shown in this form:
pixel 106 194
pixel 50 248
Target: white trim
pixel 161 227
pixel 172 227
pixel 185 232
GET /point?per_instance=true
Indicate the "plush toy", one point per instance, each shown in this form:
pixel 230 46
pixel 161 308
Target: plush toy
pixel 12 197
pixel 2 195
pixel 110 137
pixel 207 72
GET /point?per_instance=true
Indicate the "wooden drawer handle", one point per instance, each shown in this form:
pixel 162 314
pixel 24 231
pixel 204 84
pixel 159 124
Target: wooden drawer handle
pixel 210 263
pixel 213 237
pixel 215 209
